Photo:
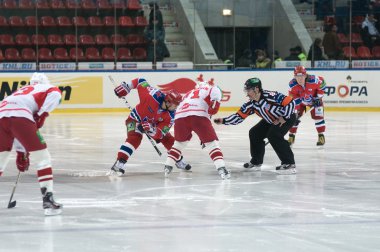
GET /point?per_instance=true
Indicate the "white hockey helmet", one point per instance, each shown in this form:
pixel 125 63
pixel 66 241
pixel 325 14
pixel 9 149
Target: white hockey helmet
pixel 39 78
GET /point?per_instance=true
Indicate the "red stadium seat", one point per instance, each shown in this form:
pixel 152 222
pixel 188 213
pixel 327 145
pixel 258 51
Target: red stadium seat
pixel 95 21
pixel 57 5
pixel 16 21
pixel 70 39
pixel 44 54
pixel 108 54
pixel 342 38
pixel 124 54
pixel 3 22
pixel 39 39
pixel 31 21
pixel 64 21
pixel 356 38
pixel 135 39
pixel 9 4
pixel 141 21
pixel 126 21
pixel 55 40
pixel 118 4
pixel 134 5
pixel 118 39
pixel 42 5
pixel 329 20
pixel 88 5
pixel 28 54
pixel 93 54
pixel 349 51
pixel 61 54
pixel 376 51
pixel 48 21
pixel 25 4
pixel 86 40
pixel 1 56
pixel 23 40
pixel 102 39
pixel 12 54
pixel 77 54
pixel 104 5
pixel 72 4
pixel 364 52
pixel 109 21
pixel 139 53
pixel 6 40
pixel 79 21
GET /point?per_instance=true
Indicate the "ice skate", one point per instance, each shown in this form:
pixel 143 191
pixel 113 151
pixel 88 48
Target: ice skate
pixel 168 169
pixel 224 173
pixel 118 168
pixel 49 205
pixel 254 167
pixel 321 140
pixel 291 139
pixel 180 164
pixel 286 169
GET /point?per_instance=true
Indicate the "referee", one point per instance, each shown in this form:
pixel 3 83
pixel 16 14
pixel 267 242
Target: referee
pixel 278 116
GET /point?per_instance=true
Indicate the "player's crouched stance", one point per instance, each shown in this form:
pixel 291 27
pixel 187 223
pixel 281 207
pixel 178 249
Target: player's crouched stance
pixel 193 114
pixel 277 113
pixel 21 115
pixel 154 115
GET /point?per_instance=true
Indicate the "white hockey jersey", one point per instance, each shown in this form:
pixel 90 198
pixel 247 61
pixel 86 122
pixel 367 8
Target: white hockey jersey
pixel 31 100
pixel 197 101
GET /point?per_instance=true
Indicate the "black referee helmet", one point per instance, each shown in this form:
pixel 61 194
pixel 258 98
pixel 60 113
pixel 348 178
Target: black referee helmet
pixel 252 83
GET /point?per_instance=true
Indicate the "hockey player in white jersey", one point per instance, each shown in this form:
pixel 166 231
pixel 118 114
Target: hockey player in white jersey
pixel 193 114
pixel 21 115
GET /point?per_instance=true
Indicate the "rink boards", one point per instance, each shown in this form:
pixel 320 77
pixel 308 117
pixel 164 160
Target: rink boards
pixel 93 91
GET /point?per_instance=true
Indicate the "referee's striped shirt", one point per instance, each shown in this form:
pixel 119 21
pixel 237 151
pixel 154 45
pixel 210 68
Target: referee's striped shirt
pixel 271 106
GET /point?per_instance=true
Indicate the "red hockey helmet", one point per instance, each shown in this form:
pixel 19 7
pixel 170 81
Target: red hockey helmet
pixel 299 70
pixel 173 97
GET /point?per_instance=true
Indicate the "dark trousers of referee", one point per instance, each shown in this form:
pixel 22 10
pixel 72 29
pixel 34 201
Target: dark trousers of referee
pixel 275 135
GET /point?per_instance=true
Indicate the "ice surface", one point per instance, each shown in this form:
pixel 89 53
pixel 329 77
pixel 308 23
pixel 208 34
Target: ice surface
pixel 332 204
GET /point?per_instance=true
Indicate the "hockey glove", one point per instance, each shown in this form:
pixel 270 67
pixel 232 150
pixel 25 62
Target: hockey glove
pixel 122 90
pixel 317 102
pixel 40 120
pixel 218 120
pixel 213 109
pixel 151 131
pixel 22 161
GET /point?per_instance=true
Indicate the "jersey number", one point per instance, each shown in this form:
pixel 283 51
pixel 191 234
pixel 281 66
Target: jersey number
pixel 24 90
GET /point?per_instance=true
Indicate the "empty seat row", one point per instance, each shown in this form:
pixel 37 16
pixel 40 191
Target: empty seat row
pixel 362 52
pixel 64 21
pixel 71 4
pixel 70 40
pixel 356 38
pixel 61 54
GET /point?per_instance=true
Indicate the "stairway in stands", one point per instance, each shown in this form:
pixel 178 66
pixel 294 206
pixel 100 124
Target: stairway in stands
pixel 174 38
pixel 313 26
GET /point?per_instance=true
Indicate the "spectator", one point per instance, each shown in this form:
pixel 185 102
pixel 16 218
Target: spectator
pixel 157 49
pixel 370 34
pixel 292 56
pixel 262 61
pixel 331 44
pixel 229 60
pixel 300 55
pixel 155 14
pixel 246 59
pixel 316 51
pixel 276 58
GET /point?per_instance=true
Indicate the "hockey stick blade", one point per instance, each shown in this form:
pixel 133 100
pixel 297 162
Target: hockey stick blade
pixel 12 204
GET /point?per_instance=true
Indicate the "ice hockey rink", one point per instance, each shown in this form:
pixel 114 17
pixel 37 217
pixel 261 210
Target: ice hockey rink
pixel 332 204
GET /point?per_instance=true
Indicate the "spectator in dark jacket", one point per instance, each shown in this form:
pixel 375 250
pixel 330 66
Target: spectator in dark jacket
pixel 316 51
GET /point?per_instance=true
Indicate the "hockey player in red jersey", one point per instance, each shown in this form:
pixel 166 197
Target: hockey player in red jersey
pixel 21 115
pixel 154 115
pixel 193 114
pixel 308 90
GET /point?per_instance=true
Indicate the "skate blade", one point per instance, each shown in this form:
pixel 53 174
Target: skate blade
pixel 113 173
pixel 287 172
pixel 52 212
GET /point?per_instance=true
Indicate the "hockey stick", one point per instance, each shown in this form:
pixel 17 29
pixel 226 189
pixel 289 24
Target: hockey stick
pixel 297 119
pixel 11 203
pixel 130 108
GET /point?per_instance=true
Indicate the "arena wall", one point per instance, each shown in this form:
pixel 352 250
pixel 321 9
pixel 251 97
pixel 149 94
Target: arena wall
pixel 349 90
